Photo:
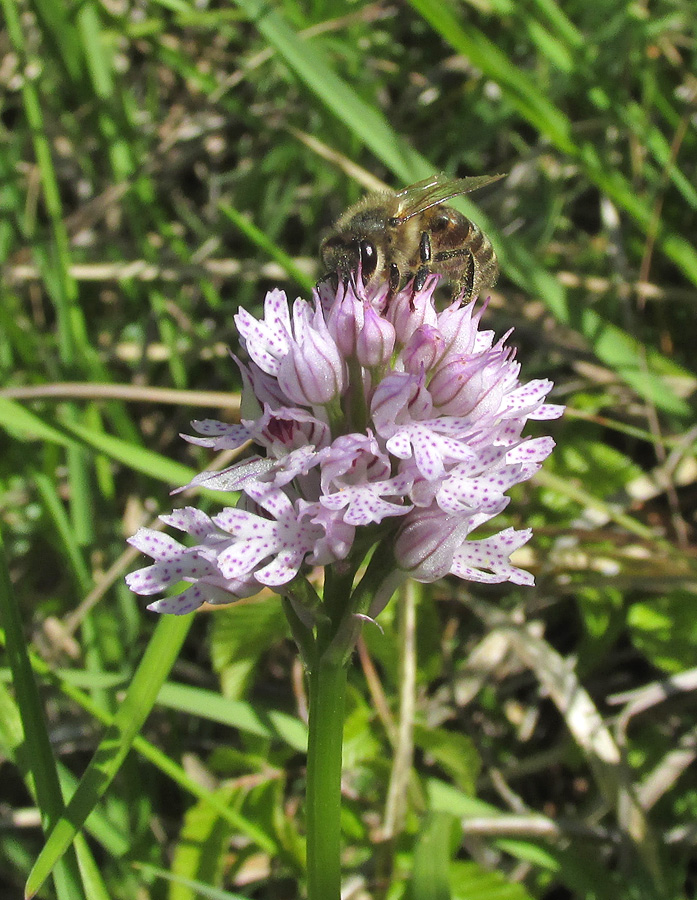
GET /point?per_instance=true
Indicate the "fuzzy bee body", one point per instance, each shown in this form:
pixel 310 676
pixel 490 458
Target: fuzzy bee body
pixel 412 234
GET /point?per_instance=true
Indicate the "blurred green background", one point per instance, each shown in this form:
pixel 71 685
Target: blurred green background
pixel 161 164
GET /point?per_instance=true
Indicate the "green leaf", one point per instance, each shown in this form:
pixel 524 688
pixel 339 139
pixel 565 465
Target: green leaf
pixel 199 889
pixel 265 244
pixel 133 456
pixel 597 463
pixel 471 882
pixel 602 608
pixel 519 88
pixel 24 425
pixel 431 872
pixel 240 634
pixel 235 713
pixel 34 753
pixel 446 798
pixel 307 61
pixel 665 630
pixel 361 746
pixel 203 844
pixel 455 753
pixel 159 657
pixel 99 825
pixel 157 758
pixel 575 865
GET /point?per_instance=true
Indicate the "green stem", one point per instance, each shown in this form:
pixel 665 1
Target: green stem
pixel 326 727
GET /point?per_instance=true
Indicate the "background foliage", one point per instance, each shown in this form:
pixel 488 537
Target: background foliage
pixel 162 163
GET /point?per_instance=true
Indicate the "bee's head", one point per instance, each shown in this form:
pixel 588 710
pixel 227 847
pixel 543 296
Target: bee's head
pixel 345 254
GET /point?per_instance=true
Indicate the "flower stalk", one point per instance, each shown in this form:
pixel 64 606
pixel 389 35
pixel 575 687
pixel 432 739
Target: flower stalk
pixel 327 688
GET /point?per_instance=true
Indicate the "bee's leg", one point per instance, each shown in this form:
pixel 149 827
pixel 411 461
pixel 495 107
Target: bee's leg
pixel 422 274
pixel 425 248
pixel 395 278
pixel 332 277
pixel 465 284
pixel 467 281
pixel 424 269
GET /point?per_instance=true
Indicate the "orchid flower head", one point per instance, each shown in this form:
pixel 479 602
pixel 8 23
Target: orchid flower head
pixel 371 416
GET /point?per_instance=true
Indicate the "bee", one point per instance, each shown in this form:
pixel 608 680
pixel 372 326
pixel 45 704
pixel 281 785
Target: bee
pixel 411 233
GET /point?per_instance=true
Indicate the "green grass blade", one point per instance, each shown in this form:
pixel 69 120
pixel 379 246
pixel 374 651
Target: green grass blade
pixel 558 24
pixel 430 877
pixel 138 458
pixel 592 881
pixel 98 63
pixel 159 657
pixel 201 890
pixel 526 97
pixel 235 713
pixel 71 324
pixel 65 45
pixel 102 829
pixel 521 92
pixel 94 886
pixel 260 239
pixel 62 528
pixel 65 679
pixel 25 425
pixel 311 67
pixel 35 751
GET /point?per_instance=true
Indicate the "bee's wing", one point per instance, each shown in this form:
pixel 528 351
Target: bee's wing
pixel 437 189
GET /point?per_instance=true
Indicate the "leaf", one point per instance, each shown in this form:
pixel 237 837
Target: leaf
pixel 131 455
pixel 472 882
pixel 572 864
pixel 200 852
pixel 665 630
pixel 159 759
pixel 25 425
pixel 201 890
pixel 455 753
pixel 308 62
pixel 431 872
pixel 240 634
pixel 236 713
pixel 34 753
pixel 361 746
pixel 100 826
pixel 159 657
pixel 266 245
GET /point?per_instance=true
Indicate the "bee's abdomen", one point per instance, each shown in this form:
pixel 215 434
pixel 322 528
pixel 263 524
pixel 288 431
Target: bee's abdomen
pixel 482 250
pixel 470 262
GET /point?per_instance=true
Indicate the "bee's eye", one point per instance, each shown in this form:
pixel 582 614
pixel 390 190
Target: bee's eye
pixel 369 258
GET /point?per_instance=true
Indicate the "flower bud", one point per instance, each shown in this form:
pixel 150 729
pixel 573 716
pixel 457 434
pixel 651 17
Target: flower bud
pixel 458 325
pixel 426 543
pixel 457 386
pixel 345 319
pixel 424 349
pixel 313 371
pixel 375 341
pixel 410 309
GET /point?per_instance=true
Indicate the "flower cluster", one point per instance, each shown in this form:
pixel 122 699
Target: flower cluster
pixel 375 417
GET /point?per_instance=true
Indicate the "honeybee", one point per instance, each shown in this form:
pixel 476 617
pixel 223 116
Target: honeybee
pixel 411 233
